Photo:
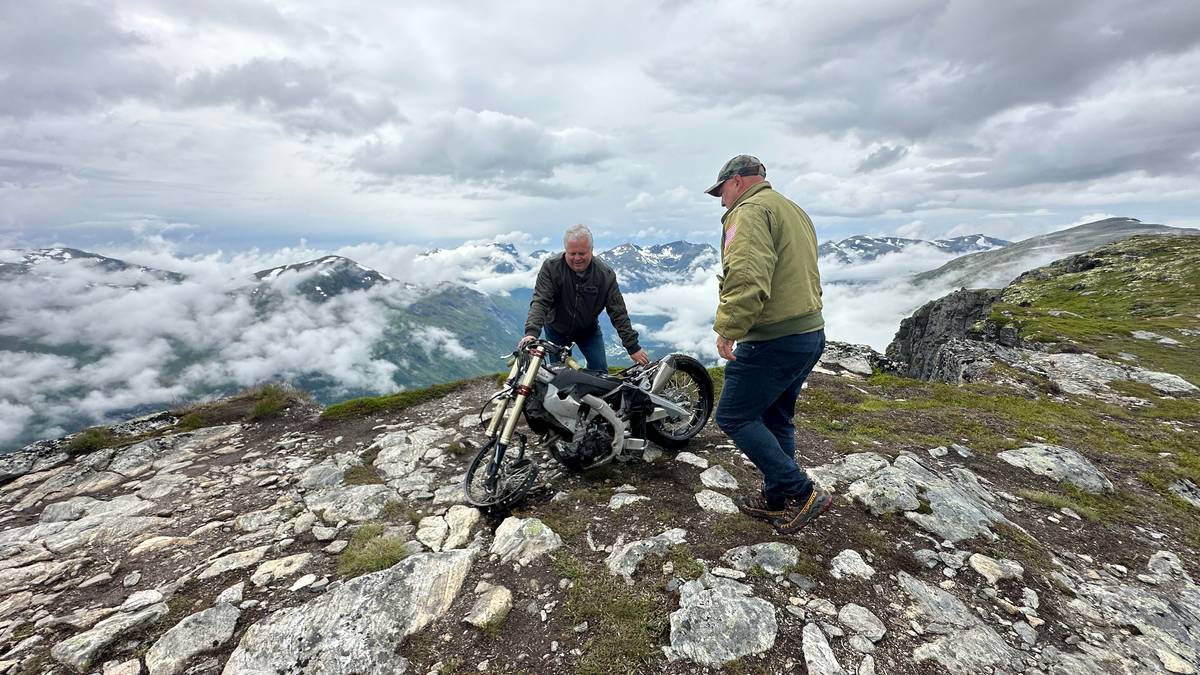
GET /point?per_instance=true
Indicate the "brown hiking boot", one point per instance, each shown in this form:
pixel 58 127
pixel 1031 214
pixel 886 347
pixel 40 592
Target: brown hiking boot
pixel 797 514
pixel 756 506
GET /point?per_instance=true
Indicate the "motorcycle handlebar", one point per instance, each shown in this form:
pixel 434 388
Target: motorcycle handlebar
pixel 547 346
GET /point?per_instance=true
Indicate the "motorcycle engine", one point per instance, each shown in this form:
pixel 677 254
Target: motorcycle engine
pixel 590 443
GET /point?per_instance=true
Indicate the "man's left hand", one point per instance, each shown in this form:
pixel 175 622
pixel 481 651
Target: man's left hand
pixel 725 348
pixel 639 357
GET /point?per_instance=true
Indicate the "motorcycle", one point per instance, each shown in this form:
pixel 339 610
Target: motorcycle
pixel 586 418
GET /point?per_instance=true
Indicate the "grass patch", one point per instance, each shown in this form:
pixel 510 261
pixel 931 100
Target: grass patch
pixel 757 572
pixel 1020 546
pixel 361 474
pixel 365 473
pixel 1114 508
pixel 1141 283
pixel 627 621
pixel 686 565
pixel 256 404
pixel 196 420
pixel 269 401
pixel 739 527
pixel 888 413
pixel 718 380
pixel 393 511
pixel 567 521
pixel 91 440
pixel 806 566
pixel 391 403
pixel 859 534
pixel 369 551
pixel 1057 501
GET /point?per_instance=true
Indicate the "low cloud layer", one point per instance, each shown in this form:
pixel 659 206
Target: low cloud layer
pixel 117 349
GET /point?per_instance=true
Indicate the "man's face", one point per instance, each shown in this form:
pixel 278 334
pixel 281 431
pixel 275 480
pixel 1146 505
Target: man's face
pixel 579 254
pixel 731 189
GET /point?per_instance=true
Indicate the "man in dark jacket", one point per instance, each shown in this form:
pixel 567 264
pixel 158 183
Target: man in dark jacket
pixel 570 292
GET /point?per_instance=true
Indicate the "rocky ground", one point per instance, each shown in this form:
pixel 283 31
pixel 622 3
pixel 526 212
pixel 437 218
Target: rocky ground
pixel 1007 526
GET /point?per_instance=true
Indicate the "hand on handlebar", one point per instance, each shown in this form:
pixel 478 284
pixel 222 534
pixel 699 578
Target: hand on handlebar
pixel 639 357
pixel 524 341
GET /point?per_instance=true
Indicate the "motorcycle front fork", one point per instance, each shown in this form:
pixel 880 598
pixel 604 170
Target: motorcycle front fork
pixel 523 390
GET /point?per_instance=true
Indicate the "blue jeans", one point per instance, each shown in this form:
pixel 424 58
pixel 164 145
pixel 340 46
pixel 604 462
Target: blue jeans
pixel 758 404
pixel 592 346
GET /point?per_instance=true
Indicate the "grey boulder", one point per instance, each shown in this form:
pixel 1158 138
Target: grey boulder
pixel 356 627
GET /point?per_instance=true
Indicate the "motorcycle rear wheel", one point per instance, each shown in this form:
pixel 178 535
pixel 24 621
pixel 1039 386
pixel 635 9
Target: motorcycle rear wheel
pixel 507 487
pixel 691 388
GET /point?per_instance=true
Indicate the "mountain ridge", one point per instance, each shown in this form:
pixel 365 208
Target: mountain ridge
pixel 865 248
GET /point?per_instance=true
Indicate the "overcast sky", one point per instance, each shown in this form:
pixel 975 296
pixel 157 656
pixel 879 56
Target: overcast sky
pixel 237 124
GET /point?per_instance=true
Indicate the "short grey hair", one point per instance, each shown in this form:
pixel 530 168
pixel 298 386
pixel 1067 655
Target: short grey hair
pixel 576 232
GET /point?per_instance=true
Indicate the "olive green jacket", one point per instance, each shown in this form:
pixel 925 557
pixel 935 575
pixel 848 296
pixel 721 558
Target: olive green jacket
pixel 770 286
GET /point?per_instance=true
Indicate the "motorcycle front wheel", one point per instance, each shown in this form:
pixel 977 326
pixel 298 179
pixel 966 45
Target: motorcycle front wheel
pixel 691 388
pixel 500 489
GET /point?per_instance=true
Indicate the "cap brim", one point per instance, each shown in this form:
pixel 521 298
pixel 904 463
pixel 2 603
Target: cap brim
pixel 715 190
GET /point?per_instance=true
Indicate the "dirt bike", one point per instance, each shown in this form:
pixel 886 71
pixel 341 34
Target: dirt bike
pixel 586 418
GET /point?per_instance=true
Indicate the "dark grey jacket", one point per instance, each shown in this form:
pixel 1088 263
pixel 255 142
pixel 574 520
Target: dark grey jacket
pixel 570 303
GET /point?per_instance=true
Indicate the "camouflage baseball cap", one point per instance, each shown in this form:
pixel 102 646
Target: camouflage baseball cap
pixel 742 165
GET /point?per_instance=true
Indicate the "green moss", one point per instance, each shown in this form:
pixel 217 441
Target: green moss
pixel 368 551
pixel 391 403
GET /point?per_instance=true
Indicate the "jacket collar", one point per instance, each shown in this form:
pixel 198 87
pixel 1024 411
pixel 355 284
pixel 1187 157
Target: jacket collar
pixel 750 192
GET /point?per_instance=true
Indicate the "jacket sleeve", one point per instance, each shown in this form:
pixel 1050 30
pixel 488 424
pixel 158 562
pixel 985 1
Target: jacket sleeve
pixel 614 304
pixel 539 306
pixel 749 264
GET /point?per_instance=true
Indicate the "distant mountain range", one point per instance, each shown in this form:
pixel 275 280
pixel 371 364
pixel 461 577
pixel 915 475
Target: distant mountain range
pixel 862 248
pixel 997 268
pixel 422 334
pixel 57 261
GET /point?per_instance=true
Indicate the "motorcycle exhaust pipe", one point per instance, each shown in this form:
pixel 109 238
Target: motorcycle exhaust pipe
pixel 606 411
pixel 666 369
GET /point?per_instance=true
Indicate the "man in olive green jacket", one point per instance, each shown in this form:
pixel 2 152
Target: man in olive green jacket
pixel 770 308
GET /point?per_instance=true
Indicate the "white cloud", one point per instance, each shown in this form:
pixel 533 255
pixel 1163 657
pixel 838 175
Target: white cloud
pixel 689 307
pixel 434 339
pixel 915 258
pixel 14 418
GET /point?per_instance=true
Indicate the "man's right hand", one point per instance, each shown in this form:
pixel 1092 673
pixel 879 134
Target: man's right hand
pixel 524 341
